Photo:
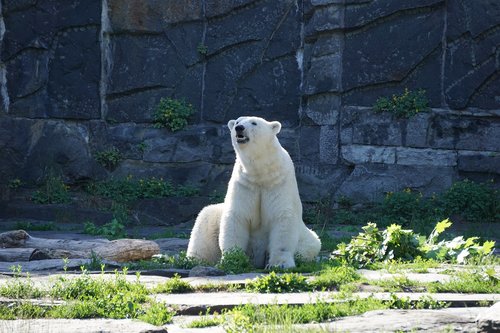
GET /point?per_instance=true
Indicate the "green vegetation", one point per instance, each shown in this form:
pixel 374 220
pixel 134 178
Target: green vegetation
pixel 15 183
pixel 235 261
pixel 109 158
pixel 173 286
pixel 162 261
pixel 283 283
pixel 374 245
pixel 207 320
pixel 465 201
pixel 472 201
pixel 89 297
pixel 26 225
pixel 202 49
pixel 406 105
pixel 111 230
pixel 172 113
pixel 129 189
pixel 333 278
pixel 248 318
pixel 52 191
pixel 424 302
pixel 478 280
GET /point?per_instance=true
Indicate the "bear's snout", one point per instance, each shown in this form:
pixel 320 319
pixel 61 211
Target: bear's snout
pixel 240 134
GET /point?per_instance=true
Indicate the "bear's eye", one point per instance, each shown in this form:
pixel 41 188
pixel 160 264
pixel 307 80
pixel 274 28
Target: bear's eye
pixel 254 123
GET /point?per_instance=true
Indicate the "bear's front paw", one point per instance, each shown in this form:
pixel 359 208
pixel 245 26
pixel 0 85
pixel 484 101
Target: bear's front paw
pixel 284 260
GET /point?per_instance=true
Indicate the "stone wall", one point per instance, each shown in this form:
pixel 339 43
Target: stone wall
pixel 79 77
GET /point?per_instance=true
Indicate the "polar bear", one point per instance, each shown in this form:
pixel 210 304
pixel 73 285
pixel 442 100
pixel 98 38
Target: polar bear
pixel 262 211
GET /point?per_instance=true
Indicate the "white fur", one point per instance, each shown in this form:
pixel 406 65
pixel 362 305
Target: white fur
pixel 262 212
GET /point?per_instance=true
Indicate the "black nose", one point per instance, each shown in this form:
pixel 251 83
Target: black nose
pixel 239 128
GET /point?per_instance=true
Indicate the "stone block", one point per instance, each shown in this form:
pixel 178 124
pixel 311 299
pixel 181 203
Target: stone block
pixel 358 16
pixel 452 131
pixel 151 16
pixel 376 53
pixel 220 8
pixel 324 75
pixel 240 84
pixel 323 109
pixel 477 161
pixel 416 131
pixel 47 20
pixel 370 182
pixel 358 154
pixel 192 145
pixel 325 18
pixel 369 128
pixel 489 320
pixel 206 176
pixel 309 143
pixel 138 107
pixel 150 60
pixel 318 181
pixel 430 157
pixel 61 148
pixel 470 55
pixel 73 80
pixel 254 23
pixel 327 44
pixel 329 144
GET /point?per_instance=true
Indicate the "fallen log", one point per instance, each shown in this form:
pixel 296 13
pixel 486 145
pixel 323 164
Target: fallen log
pixel 120 250
pixel 22 254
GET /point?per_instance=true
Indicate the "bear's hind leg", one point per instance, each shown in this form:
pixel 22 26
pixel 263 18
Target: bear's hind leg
pixel 309 244
pixel 204 240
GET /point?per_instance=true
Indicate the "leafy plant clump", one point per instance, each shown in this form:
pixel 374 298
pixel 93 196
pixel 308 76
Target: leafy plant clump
pixel 235 261
pixel 129 189
pixel 474 202
pixel 174 285
pixel 172 113
pixel 406 105
pixel 111 230
pixel 180 261
pixel 374 245
pixel 109 158
pixel 282 283
pixel 53 191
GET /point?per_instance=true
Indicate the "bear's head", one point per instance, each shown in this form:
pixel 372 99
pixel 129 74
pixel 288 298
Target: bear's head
pixel 253 131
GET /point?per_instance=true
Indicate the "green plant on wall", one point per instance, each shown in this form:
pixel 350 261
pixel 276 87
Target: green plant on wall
pixel 109 158
pixel 172 113
pixel 52 191
pixel 406 105
pixel 202 49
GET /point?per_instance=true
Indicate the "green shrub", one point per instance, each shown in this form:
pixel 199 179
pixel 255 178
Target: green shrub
pixel 109 158
pixel 174 285
pixel 374 245
pixel 157 314
pixel 53 191
pixel 282 283
pixel 180 261
pixel 129 189
pixel 172 113
pixel 406 105
pixel 111 230
pixel 474 202
pixel 333 277
pixel 235 261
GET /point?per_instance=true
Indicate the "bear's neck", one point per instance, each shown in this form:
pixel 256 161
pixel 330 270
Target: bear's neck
pixel 265 168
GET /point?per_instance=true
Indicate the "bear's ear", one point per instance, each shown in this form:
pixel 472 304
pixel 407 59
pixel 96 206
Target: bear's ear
pixel 230 124
pixel 276 126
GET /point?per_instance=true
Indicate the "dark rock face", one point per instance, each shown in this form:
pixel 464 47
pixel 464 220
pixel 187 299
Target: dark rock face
pixel 53 67
pixel 81 77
